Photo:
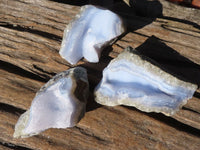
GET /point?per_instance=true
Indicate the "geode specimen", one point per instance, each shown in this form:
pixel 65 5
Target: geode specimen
pixel 92 30
pixel 60 103
pixel 133 80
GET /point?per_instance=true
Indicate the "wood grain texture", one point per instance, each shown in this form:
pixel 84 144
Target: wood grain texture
pixel 30 38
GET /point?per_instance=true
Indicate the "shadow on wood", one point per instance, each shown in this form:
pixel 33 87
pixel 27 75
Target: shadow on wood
pixel 11 109
pixel 197 94
pixel 170 60
pixel 94 71
pixel 170 121
pixel 182 21
pixel 72 2
pixel 19 71
pixel 147 8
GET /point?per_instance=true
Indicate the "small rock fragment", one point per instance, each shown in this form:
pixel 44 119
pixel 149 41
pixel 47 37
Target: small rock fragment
pixel 133 80
pixel 60 103
pixel 92 30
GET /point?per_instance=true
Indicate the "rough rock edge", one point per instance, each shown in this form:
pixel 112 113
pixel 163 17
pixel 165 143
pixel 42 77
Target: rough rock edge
pixel 131 55
pixel 78 73
pixel 20 125
pixel 79 15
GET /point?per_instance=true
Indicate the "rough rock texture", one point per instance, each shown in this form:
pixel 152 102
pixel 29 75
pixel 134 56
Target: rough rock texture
pixel 92 30
pixel 60 103
pixel 131 79
pixel 30 38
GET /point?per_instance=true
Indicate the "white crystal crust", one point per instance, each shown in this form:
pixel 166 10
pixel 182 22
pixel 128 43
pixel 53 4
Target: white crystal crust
pixel 133 81
pixel 92 30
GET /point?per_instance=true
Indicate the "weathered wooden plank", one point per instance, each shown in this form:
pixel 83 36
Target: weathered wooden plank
pixel 30 38
pixel 17 90
pixel 98 130
pixel 33 15
pixel 163 8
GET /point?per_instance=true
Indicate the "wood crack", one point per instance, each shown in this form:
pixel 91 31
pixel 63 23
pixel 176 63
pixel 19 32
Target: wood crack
pixel 162 118
pixel 19 71
pixel 166 27
pixel 189 109
pixel 92 135
pixel 33 31
pixel 176 124
pixel 13 146
pixel 195 25
pixel 11 109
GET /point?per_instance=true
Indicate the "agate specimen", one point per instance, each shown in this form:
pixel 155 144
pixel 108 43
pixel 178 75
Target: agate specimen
pixel 133 80
pixel 60 103
pixel 86 36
